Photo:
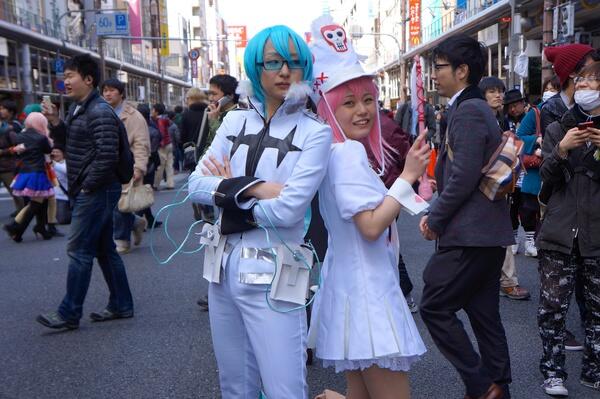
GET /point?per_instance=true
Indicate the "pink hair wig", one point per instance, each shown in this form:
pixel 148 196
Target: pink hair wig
pixel 334 99
pixel 38 122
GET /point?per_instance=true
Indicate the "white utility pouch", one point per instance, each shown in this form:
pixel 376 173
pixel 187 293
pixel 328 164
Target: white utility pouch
pixel 292 278
pixel 213 252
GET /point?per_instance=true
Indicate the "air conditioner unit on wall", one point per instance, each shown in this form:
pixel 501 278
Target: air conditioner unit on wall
pixel 583 38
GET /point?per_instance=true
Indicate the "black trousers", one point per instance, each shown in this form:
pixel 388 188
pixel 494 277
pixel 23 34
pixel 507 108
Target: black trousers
pixel 468 278
pixel 524 209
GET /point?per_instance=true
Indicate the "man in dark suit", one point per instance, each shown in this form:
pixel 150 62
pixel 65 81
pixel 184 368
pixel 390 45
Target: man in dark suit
pixel 472 231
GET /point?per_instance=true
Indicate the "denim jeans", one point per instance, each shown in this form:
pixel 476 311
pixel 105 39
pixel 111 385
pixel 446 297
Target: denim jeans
pixel 123 224
pixel 91 237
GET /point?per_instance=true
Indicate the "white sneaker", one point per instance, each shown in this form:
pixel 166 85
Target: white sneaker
pixel 139 226
pixel 555 387
pixel 122 246
pixel 530 249
pixel 514 248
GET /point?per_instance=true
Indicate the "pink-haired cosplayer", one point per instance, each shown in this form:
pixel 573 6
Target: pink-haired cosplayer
pixel 32 180
pixel 360 322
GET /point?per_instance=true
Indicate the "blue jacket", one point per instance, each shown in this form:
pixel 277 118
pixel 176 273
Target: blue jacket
pixel 532 182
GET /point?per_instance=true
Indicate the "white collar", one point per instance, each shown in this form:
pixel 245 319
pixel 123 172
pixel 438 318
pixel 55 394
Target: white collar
pixel 455 96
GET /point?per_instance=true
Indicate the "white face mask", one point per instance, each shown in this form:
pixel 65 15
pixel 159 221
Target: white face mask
pixel 547 95
pixel 587 99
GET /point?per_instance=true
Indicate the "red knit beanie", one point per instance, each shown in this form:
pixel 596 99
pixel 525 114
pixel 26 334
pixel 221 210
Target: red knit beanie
pixel 565 58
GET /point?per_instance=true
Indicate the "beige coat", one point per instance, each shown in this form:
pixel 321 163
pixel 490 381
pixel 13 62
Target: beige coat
pixel 138 135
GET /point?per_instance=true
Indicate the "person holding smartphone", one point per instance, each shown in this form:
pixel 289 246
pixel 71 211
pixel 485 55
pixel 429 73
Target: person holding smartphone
pixel 569 237
pixel 222 99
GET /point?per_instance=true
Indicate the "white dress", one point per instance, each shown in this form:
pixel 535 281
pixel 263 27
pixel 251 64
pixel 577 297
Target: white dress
pixel 360 317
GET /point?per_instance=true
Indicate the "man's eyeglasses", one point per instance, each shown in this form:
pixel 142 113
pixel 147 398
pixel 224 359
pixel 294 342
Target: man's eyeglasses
pixel 437 67
pixel 276 65
pixel 582 79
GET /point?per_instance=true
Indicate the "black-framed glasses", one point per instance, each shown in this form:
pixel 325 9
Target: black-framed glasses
pixel 276 65
pixel 437 67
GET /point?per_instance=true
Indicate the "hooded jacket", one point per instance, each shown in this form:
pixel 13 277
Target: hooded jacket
pixel 572 211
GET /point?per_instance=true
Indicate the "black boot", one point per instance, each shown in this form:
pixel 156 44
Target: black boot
pixel 54 231
pixel 41 216
pixel 16 230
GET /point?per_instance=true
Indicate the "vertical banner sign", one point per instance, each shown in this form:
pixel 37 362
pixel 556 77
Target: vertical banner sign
pixel 135 20
pixel 164 28
pixel 239 33
pixel 414 10
pixel 194 66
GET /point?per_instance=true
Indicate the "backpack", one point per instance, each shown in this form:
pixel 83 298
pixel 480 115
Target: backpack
pixel 502 171
pixel 125 163
pixel 124 170
pixel 155 138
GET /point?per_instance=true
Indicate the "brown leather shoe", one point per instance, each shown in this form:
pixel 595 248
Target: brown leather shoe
pixel 494 392
pixel 517 293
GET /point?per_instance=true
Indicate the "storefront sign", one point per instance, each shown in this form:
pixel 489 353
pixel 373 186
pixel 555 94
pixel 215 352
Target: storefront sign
pixel 489 35
pixel 194 66
pixel 239 34
pixel 164 28
pixel 135 20
pixel 59 86
pixel 414 27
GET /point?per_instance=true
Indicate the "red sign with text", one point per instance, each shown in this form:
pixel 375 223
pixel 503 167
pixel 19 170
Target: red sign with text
pixel 239 33
pixel 414 27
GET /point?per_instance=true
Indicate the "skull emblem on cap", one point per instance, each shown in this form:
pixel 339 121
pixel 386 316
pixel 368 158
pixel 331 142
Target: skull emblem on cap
pixel 335 36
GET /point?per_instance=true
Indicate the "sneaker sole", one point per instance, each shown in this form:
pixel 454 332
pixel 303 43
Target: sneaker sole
pixel 554 393
pixel 46 324
pixel 573 348
pixel 592 385
pixel 513 297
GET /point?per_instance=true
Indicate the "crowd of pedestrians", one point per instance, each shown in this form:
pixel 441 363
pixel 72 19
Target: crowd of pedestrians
pixel 259 154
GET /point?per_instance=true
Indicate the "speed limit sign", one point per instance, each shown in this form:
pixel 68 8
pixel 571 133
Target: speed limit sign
pixel 194 54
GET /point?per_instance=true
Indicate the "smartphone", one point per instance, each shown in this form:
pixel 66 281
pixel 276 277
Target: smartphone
pixel 224 101
pixel 585 125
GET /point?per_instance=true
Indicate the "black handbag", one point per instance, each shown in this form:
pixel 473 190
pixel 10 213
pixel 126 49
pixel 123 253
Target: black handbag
pixel 190 149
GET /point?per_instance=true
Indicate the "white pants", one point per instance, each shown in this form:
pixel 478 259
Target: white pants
pixel 254 343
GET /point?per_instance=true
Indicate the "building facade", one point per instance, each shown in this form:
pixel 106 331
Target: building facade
pixel 511 29
pixel 37 36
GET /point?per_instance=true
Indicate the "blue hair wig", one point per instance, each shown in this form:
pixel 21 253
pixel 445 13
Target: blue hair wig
pixel 280 36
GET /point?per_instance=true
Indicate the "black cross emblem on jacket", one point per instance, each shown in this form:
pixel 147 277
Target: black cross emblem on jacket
pixel 258 142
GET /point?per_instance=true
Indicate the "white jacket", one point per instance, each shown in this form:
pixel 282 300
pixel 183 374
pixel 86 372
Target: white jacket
pixel 293 150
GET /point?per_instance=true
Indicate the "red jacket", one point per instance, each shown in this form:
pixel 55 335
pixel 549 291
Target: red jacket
pixel 163 123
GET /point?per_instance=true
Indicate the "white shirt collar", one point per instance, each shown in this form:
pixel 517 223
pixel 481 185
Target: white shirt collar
pixel 455 96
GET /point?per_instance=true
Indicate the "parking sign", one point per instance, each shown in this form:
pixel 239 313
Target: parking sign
pixel 112 24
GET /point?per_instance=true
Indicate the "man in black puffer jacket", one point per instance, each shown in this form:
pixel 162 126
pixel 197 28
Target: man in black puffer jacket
pixel 92 155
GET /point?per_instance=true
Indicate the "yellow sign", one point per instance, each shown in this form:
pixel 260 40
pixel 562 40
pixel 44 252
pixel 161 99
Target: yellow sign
pixel 164 43
pixel 164 28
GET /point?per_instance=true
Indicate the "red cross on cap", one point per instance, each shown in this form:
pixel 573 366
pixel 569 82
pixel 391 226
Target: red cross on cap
pixel 322 78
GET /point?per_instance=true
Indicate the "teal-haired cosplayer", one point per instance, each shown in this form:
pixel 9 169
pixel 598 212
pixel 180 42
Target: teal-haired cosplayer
pixel 280 36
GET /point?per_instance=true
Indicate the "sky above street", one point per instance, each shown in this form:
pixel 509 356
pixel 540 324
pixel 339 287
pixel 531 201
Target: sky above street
pixel 259 14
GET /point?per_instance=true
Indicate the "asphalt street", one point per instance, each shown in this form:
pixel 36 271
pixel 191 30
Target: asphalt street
pixel 165 351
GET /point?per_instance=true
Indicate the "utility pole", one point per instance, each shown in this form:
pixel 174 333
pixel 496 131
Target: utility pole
pixel 401 61
pixel 98 6
pixel 547 36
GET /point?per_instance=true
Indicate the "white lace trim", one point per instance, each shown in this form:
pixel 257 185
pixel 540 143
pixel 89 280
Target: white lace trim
pixel 390 363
